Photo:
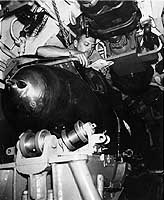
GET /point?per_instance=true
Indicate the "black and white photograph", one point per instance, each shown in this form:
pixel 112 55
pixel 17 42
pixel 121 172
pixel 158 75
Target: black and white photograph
pixel 81 99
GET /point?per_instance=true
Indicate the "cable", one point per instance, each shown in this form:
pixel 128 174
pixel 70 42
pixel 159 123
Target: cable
pixel 15 39
pixel 118 135
pixel 2 62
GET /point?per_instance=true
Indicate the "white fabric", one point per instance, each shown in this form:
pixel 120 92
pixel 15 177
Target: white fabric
pixel 152 8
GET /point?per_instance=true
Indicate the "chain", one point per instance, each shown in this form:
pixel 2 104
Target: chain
pixel 61 27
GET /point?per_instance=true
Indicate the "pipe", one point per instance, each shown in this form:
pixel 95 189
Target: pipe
pixel 84 180
pixel 6 50
pixel 50 61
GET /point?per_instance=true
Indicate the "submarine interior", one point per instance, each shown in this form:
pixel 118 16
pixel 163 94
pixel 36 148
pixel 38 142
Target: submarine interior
pixel 75 132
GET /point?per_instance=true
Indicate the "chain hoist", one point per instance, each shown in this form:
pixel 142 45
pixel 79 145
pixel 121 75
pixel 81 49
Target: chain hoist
pixel 61 27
